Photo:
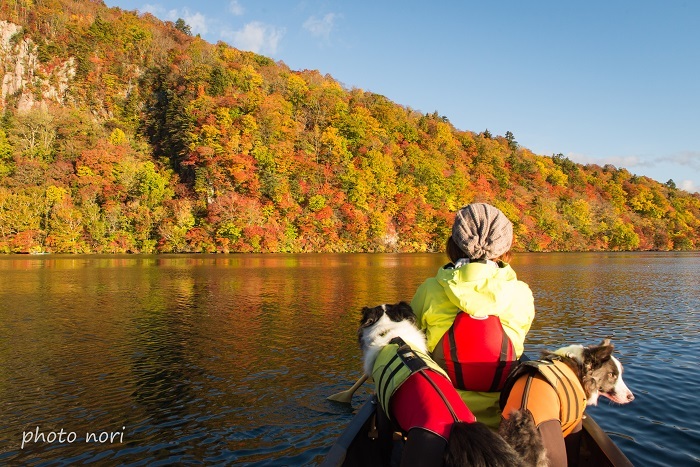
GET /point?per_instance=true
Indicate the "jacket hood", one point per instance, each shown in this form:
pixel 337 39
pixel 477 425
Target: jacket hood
pixel 480 289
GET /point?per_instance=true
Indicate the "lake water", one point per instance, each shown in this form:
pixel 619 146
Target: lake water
pixel 147 360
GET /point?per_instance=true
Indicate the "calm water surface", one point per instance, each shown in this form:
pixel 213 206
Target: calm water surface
pixel 147 360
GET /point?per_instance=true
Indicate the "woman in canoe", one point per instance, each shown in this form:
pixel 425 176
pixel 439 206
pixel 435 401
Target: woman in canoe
pixel 475 312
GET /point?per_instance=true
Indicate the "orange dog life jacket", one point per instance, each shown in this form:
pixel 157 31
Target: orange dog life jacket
pixel 549 390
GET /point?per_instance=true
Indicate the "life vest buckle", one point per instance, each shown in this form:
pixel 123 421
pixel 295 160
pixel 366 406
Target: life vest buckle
pixel 408 356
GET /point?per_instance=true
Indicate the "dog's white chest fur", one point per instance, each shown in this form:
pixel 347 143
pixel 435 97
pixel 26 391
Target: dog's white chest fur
pixel 375 337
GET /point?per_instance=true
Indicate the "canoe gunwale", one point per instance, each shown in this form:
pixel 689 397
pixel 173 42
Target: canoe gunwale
pixel 597 449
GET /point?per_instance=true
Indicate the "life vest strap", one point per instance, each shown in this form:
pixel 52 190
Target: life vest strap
pixel 561 379
pixel 409 358
pixel 478 354
pixel 442 396
pixel 416 364
pixel 505 360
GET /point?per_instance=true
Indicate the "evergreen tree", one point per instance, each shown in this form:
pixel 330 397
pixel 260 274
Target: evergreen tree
pixel 183 27
pixel 512 144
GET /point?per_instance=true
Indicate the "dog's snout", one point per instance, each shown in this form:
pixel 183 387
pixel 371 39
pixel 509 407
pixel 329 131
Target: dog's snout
pixel 630 397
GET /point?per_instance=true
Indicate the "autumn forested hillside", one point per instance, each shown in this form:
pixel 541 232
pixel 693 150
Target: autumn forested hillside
pixel 121 133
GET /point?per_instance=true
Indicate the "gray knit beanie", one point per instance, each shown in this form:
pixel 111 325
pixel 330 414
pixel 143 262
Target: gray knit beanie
pixel 482 231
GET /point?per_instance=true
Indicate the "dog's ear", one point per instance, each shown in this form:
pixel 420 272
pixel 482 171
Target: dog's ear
pixel 406 312
pixel 366 315
pixel 370 315
pixel 605 350
pixel 599 354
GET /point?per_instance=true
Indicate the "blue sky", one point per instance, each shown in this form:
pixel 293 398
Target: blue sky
pixel 605 82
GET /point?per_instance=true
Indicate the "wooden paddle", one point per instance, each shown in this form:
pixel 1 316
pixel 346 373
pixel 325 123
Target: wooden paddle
pixel 346 396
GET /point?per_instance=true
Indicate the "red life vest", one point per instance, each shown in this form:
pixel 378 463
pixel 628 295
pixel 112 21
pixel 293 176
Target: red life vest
pixel 477 353
pixel 428 400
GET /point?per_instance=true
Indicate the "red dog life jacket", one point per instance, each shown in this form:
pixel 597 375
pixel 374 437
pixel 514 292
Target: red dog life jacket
pixel 478 355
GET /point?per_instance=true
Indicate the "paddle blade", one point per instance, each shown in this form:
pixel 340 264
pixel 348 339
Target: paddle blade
pixel 346 396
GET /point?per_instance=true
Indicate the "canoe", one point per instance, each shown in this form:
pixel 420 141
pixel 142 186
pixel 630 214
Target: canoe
pixel 354 448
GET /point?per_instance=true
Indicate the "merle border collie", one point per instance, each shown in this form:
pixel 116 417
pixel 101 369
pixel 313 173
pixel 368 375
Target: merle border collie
pixel 599 374
pixel 469 443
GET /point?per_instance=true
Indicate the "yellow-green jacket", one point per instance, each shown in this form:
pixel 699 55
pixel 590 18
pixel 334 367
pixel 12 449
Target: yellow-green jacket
pixel 480 289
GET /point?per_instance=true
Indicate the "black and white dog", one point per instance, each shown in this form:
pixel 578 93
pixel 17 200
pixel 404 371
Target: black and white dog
pixel 437 425
pixel 557 387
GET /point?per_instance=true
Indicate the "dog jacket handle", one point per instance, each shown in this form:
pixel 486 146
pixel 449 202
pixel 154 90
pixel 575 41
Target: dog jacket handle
pixel 408 356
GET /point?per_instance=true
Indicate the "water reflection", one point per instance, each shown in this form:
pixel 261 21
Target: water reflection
pixel 228 359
